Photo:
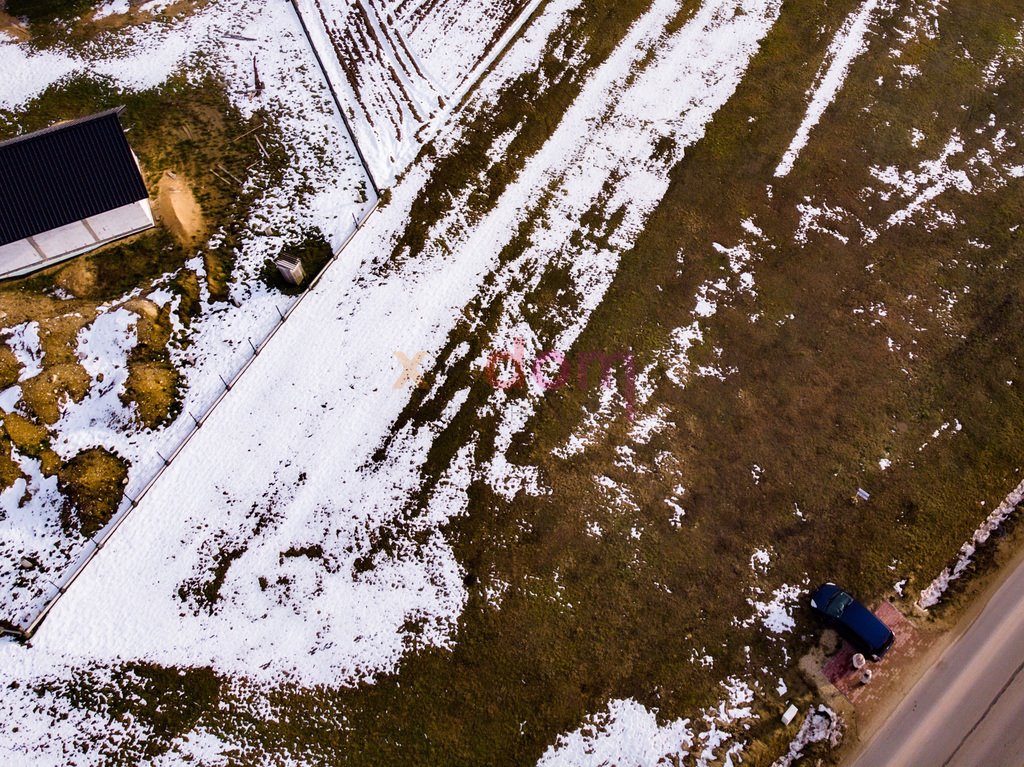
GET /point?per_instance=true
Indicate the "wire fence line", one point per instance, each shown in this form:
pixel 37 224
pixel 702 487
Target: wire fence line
pixel 337 100
pixel 128 503
pixel 30 624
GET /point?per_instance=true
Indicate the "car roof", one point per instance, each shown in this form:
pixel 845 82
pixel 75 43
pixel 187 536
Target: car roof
pixel 825 591
pixel 865 623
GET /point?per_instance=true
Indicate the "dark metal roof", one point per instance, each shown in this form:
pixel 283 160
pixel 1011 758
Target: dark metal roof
pixel 65 173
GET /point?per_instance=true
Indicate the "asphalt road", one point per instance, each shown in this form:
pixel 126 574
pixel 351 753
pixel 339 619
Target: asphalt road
pixel 968 709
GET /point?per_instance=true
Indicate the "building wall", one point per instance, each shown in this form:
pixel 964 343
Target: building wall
pixel 73 239
pixel 64 239
pixel 17 255
pixel 116 222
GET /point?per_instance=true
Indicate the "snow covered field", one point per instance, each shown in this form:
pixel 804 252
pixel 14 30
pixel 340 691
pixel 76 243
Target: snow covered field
pixel 281 520
pixel 402 67
pixel 292 544
pixel 218 38
pixel 297 476
pixel 220 339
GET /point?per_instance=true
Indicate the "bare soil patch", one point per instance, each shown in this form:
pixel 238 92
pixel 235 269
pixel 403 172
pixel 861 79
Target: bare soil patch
pixel 92 482
pixel 178 209
pixel 12 27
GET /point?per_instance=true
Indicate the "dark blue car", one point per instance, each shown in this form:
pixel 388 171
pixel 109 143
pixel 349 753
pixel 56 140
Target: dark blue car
pixel 854 622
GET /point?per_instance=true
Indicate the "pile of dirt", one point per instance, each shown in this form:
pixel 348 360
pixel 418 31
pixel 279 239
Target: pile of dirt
pixel 177 208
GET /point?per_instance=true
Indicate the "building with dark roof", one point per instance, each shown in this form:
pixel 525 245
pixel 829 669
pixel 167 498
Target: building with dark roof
pixel 67 189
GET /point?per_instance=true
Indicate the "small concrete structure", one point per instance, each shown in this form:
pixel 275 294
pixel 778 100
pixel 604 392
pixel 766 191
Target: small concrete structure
pixel 790 715
pixel 291 269
pixel 66 190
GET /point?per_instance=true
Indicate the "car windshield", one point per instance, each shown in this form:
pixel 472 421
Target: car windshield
pixel 838 604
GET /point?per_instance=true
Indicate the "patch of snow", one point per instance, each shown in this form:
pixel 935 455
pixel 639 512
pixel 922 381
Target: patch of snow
pixel 931 595
pixel 618 496
pixel 811 217
pixel 775 613
pixel 677 354
pixel 705 307
pixel 760 560
pixel 626 734
pixel 908 72
pixel 23 341
pixel 678 512
pixel 142 58
pixel 38 525
pixel 819 726
pixel 9 398
pixel 112 8
pixel 933 179
pixel 847 45
pixel 155 6
pixel 986 167
pixel 751 228
pixel 645 428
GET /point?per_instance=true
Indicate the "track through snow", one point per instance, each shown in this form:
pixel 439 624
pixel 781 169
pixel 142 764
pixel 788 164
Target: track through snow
pixel 403 68
pixel 654 91
pixel 276 502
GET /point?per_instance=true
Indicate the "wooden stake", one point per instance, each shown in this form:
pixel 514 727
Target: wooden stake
pixel 229 173
pixel 256 72
pixel 222 179
pixel 243 135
